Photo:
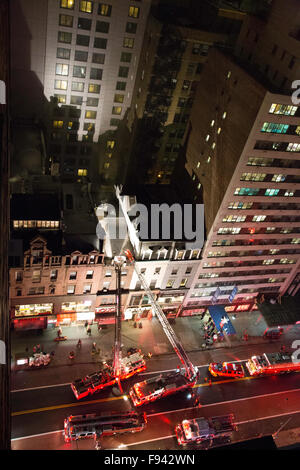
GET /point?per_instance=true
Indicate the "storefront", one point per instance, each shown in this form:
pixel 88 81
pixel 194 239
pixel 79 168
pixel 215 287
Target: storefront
pixel 75 312
pixel 105 315
pixel 31 316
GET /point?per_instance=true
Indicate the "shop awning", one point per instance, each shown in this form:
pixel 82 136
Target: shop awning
pixel 221 319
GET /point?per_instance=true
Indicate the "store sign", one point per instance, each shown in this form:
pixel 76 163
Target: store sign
pixel 73 307
pixel 243 307
pixel 85 316
pixel 105 309
pixel 193 312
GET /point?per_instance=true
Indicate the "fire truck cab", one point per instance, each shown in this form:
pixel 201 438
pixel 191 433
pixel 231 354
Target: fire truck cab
pixel 226 369
pixel 198 430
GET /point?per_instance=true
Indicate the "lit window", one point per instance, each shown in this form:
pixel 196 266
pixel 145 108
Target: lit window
pixel 278 178
pixel 61 84
pixel 118 98
pixel 104 10
pixel 67 4
pixel 134 12
pixel 117 110
pixel 110 144
pixel 271 192
pixel 170 283
pixel 86 7
pixel 77 86
pixel 224 115
pixel 71 289
pixel 212 123
pixel 285 109
pixel 207 138
pixel 198 164
pixel 128 42
pixel 106 165
pixel 213 145
pixel 93 88
pixel 82 172
pixel 208 159
pixel 66 20
pixel 61 98
pixel 58 124
pixel 229 74
pixel 91 114
pixel 79 71
pixel 62 69
pixel 219 130
pixel 293 147
pixel 289 193
pixel 259 218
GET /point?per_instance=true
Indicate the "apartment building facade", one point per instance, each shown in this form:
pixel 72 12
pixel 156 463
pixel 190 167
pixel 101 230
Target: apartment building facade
pixel 84 54
pixel 51 289
pixel 244 155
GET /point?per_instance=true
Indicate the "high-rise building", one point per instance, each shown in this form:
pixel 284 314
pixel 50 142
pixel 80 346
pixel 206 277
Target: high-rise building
pixel 243 151
pixel 82 56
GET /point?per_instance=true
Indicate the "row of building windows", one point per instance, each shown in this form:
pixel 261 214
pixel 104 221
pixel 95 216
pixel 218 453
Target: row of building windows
pixel 273 162
pixel 104 9
pixel 237 230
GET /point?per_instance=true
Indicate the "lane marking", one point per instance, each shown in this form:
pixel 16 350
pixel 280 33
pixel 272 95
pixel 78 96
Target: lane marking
pixel 144 373
pixel 164 437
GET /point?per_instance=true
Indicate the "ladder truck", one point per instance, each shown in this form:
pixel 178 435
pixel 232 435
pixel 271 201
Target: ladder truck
pixel 122 368
pixel 164 384
pixel 102 424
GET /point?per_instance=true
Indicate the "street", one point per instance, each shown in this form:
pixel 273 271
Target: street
pixel 260 405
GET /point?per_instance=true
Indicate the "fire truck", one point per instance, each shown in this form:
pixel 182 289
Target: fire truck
pixel 272 364
pixel 97 381
pixel 122 368
pixel 102 424
pixel 164 384
pixel 208 431
pixel 226 369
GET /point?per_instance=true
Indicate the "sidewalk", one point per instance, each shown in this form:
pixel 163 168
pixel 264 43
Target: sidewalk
pixel 150 338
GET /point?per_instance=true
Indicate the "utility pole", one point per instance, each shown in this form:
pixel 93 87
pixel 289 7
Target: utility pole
pixel 5 424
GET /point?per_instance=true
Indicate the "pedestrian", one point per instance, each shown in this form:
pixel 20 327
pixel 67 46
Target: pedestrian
pixel 38 348
pixel 209 382
pixel 89 331
pixel 94 347
pixel 34 349
pixel 99 326
pixel 26 349
pixel 86 324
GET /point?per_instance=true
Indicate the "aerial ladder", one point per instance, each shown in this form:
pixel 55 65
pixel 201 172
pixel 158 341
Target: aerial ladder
pixel 190 370
pixel 122 368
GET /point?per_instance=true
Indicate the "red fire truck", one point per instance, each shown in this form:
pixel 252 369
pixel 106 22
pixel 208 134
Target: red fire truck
pixel 165 384
pixel 102 424
pixel 226 369
pixel 97 381
pixel 202 430
pixel 272 364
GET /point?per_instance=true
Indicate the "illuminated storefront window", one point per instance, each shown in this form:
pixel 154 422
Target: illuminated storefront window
pixel 33 309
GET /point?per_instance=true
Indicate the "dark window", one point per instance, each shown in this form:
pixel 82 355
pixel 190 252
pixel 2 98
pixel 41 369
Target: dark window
pixel 64 37
pixel 92 101
pixel 126 57
pixel 96 74
pixel 98 58
pixel 131 27
pixel 121 86
pixel 77 100
pixel 82 40
pixel 62 53
pixel 100 43
pixel 102 27
pixel 114 122
pixel 123 71
pixel 84 23
pixel 81 56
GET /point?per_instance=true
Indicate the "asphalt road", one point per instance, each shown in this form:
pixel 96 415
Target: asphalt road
pixel 260 405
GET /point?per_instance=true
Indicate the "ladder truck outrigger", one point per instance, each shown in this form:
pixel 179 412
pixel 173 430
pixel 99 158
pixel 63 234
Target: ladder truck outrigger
pixel 122 368
pixel 164 384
